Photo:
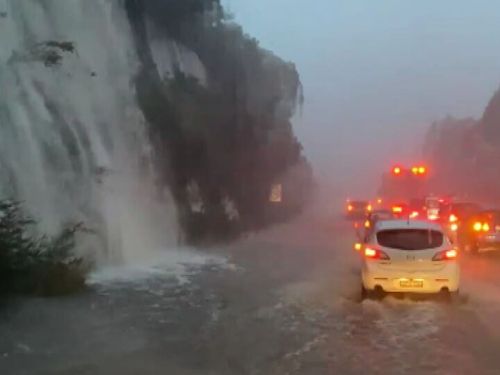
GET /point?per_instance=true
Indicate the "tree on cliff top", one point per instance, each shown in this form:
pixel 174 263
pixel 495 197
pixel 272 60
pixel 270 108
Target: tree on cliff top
pixel 230 136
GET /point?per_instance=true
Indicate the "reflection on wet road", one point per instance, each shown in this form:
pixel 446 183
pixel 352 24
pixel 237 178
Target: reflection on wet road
pixel 281 302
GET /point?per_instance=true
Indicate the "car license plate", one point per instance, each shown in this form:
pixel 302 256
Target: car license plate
pixel 411 283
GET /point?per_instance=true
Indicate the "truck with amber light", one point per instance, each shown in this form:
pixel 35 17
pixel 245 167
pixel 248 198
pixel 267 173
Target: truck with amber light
pixel 357 209
pixel 402 186
pixel 457 217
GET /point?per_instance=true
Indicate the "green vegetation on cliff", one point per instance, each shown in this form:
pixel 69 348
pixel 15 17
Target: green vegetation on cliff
pixel 230 138
pixel 35 264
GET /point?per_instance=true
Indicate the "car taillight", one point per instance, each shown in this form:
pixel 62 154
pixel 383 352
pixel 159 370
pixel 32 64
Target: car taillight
pixel 478 227
pixel 414 215
pixel 367 224
pixel 397 209
pixel 454 227
pixel 375 254
pixel 453 218
pixel 358 246
pixel 369 208
pixel 350 208
pixel 446 255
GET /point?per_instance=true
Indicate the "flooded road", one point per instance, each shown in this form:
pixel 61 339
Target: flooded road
pixel 285 301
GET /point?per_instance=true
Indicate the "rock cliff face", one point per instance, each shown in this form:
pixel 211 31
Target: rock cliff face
pixel 140 119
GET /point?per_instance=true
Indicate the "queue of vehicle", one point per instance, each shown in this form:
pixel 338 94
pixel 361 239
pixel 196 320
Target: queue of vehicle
pixel 412 244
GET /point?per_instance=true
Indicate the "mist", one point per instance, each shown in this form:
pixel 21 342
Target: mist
pixel 174 176
pixel 377 74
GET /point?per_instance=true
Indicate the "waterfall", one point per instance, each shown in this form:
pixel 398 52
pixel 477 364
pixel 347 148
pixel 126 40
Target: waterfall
pixel 73 141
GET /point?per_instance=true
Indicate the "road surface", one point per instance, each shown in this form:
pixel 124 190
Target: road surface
pixel 285 301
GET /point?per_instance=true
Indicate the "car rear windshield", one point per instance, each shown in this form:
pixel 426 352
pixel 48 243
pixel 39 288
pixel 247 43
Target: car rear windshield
pixel 410 239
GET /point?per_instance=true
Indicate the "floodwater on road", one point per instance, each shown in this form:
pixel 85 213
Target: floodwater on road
pixel 285 301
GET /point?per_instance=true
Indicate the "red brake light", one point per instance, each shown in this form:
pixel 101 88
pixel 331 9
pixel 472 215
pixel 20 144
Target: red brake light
pixel 350 207
pixel 396 171
pixel 375 254
pixel 453 218
pixel 451 254
pixel 370 253
pixel 397 209
pixel 419 170
pixel 446 255
pixel 477 226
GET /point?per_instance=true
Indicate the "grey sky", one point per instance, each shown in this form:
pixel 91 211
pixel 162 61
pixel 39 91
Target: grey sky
pixel 377 72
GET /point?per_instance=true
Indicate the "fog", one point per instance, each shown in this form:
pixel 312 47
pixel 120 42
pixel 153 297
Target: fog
pixel 376 74
pixel 155 212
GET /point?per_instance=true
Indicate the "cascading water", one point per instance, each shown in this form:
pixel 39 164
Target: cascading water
pixel 73 142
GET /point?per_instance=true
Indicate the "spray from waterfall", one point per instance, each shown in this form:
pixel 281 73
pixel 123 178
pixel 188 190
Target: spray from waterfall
pixel 73 142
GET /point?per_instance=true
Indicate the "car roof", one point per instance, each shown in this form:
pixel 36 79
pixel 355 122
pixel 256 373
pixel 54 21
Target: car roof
pixel 407 224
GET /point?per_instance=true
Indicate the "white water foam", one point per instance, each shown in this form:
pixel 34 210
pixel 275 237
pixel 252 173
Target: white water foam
pixel 178 264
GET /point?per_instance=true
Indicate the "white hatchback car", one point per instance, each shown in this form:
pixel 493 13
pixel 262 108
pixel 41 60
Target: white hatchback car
pixel 409 256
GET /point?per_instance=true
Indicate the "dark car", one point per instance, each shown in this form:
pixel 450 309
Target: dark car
pixel 481 232
pixel 357 210
pixel 376 216
pixel 453 217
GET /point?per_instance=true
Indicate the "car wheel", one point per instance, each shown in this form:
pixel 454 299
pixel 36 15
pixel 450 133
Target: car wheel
pixel 378 294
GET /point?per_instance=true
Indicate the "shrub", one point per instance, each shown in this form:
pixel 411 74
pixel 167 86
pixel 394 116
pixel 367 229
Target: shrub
pixel 37 264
